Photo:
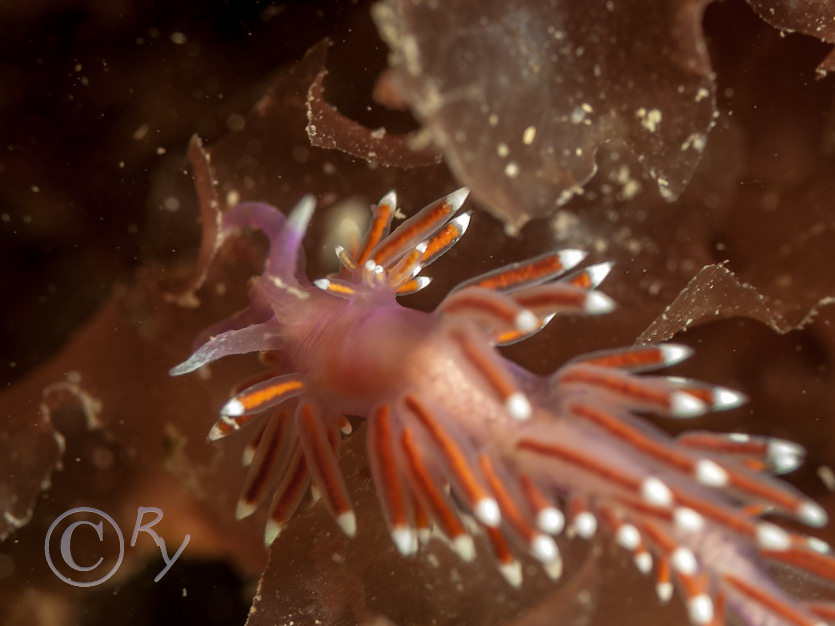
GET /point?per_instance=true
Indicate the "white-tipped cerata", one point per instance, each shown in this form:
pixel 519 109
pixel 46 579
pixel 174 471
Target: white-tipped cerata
pixel 487 512
pixel 818 545
pixel 643 561
pixel 724 399
pixel 684 561
pixel 322 283
pixel 812 514
pixel 233 408
pixel 457 198
pixel 687 520
pixel 544 549
pixel 664 591
pixel 700 609
pixel 785 456
pixel 553 569
pixel 464 547
pixel 674 353
pixel 462 222
pixel 518 407
pixel 771 537
pixel 390 199
pixel 628 537
pixel 424 534
pixel 683 404
pixel 421 282
pixel 405 540
pixel 550 520
pixel 271 531
pixel 585 525
pixel 215 433
pixel 512 573
pixel 711 473
pixel 245 509
pixel 526 321
pixel 597 273
pixel 598 303
pixel 655 492
pixel 347 522
pixel 571 258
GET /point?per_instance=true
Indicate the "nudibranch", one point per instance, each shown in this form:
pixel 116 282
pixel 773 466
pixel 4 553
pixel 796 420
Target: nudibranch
pixel 462 441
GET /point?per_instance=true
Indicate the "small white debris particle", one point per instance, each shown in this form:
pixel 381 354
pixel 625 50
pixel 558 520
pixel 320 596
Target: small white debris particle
pixel 511 170
pixel 649 119
pixel 178 38
pixel 171 203
pixel 235 122
pixel 701 94
pixel 827 476
pixel 232 198
pixel 695 141
pixel 141 132
pixel 577 115
pixel 502 150
pixel 529 135
pixel 630 189
pixel 493 119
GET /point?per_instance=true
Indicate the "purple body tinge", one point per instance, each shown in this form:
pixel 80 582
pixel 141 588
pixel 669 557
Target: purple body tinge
pixel 460 439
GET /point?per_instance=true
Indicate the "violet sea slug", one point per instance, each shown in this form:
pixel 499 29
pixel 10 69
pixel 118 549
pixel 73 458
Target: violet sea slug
pixel 457 433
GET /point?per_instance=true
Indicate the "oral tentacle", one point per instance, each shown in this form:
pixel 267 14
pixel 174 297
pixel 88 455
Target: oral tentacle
pixel 254 338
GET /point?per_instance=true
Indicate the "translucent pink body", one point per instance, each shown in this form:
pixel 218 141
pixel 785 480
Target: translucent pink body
pixel 456 431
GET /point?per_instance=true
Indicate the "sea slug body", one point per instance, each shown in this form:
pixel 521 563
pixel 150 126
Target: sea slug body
pixel 455 431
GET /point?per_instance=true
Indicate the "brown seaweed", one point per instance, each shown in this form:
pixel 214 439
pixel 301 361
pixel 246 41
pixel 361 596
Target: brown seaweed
pixel 756 214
